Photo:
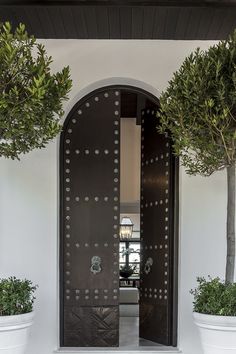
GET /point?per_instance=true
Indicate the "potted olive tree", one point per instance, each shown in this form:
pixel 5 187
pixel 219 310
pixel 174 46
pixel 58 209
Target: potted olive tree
pixel 198 110
pixel 16 314
pixel 31 105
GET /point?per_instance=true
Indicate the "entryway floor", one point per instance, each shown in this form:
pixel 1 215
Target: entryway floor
pixel 129 342
pixel 129 334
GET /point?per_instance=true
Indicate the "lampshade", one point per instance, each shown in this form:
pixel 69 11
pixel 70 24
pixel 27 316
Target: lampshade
pixel 126 228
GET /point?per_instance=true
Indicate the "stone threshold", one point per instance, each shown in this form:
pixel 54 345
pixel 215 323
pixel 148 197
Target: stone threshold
pixel 124 350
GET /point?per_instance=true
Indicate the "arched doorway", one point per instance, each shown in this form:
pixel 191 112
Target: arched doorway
pixel 90 217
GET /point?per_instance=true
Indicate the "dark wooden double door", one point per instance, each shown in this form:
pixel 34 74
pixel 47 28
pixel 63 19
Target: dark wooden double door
pixel 90 216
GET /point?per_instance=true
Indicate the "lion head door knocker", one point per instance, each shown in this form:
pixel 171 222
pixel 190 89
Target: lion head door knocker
pixel 148 265
pixel 96 265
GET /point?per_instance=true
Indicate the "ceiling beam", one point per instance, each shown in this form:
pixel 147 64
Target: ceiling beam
pixel 159 3
pixel 170 19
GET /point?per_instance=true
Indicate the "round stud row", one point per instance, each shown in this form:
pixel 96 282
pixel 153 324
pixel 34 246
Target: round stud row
pixel 77 198
pixel 96 297
pixel 155 247
pixel 96 151
pixel 106 244
pixel 153 290
pixel 155 159
pixel 155 296
pixel 89 291
pixel 96 199
pixel 148 111
pixel 155 203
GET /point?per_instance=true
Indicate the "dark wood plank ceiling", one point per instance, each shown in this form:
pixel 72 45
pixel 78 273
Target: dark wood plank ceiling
pixel 131 19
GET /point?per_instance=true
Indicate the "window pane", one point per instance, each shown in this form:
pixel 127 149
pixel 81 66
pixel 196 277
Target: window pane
pixel 132 249
pixel 122 252
pixel 136 272
pixel 135 246
pixel 136 234
pixel 134 257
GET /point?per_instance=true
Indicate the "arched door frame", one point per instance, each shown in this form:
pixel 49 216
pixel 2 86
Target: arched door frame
pixel 175 254
pixel 90 94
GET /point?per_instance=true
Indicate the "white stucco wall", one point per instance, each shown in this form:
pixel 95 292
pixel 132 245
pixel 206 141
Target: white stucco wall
pixel 29 188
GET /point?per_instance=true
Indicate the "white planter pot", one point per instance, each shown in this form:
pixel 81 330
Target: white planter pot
pixel 14 331
pixel 217 333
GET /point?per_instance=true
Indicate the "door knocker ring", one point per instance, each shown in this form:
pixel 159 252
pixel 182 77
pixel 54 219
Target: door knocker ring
pixel 96 265
pixel 148 264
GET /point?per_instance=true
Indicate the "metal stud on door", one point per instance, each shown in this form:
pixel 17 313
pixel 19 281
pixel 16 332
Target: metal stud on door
pixel 90 223
pixel 156 232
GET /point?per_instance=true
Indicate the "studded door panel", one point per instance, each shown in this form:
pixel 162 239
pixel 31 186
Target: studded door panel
pixel 90 223
pixel 156 232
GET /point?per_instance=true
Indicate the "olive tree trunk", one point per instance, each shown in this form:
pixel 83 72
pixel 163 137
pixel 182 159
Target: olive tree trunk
pixel 230 261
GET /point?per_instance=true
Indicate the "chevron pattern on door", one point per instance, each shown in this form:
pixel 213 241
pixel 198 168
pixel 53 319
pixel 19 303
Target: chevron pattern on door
pixel 98 330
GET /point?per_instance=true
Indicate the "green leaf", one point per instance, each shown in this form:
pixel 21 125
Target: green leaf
pixel 198 108
pixel 31 97
pixel 16 296
pixel 214 297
